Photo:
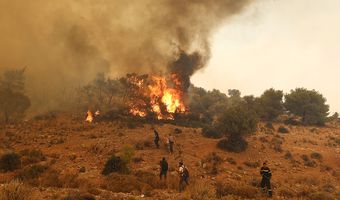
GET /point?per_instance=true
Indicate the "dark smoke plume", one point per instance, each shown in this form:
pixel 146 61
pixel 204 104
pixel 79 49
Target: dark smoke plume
pixel 65 43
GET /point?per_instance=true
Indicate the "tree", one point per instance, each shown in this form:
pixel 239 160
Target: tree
pixel 271 104
pixel 308 104
pixel 13 101
pixel 237 122
pixel 234 96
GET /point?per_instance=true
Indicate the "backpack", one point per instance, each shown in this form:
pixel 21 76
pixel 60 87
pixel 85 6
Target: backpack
pixel 186 172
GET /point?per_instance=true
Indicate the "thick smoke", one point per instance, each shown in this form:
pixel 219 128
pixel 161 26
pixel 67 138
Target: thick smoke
pixel 64 43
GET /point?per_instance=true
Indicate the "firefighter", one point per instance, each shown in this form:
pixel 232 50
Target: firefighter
pixel 265 182
pixel 183 176
pixel 170 142
pixel 163 168
pixel 156 139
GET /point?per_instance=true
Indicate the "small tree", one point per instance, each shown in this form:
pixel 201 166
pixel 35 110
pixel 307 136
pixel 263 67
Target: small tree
pixel 308 104
pixel 236 122
pixel 271 104
pixel 13 101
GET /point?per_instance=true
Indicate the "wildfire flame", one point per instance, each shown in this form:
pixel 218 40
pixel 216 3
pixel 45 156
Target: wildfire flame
pixel 89 117
pixel 164 96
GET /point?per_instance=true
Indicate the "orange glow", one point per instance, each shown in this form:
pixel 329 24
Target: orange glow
pixel 164 100
pixel 89 117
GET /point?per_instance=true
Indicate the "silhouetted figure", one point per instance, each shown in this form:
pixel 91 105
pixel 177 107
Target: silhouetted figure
pixel 265 182
pixel 183 176
pixel 156 139
pixel 171 142
pixel 164 168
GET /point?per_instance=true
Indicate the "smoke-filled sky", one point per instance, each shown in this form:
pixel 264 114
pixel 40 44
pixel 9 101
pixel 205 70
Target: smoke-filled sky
pixel 66 43
pixel 278 43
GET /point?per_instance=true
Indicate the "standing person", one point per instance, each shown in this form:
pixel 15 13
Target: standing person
pixel 164 168
pixel 183 176
pixel 156 139
pixel 265 182
pixel 171 142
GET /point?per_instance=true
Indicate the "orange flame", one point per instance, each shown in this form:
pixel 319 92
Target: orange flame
pixel 89 117
pixel 164 100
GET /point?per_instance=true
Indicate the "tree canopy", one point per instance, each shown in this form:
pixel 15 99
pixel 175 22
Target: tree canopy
pixel 308 104
pixel 13 101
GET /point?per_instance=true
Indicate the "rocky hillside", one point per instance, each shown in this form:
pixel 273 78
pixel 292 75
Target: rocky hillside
pixel 63 158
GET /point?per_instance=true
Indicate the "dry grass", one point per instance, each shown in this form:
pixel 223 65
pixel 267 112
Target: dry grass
pixel 78 196
pixel 200 190
pixel 244 191
pixel 14 190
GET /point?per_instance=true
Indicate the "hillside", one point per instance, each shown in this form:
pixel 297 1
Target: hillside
pixel 305 162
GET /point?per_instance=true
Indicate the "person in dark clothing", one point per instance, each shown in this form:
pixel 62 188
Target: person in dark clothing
pixel 156 139
pixel 164 168
pixel 183 176
pixel 265 182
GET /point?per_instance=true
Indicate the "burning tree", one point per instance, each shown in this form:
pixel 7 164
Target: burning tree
pixel 153 95
pixel 13 101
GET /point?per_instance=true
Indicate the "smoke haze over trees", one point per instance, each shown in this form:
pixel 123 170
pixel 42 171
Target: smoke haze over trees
pixel 66 43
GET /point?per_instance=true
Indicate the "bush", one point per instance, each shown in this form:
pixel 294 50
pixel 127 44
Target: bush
pixel 231 160
pixel 14 190
pixel 307 161
pixel 127 153
pixel 211 132
pixel 236 122
pixel 283 129
pixel 78 196
pixel 252 164
pixel 316 155
pixel 115 164
pixel 288 155
pixel 122 183
pixel 245 191
pixel 200 190
pixel 291 121
pixel 9 161
pixel 269 125
pixel 32 156
pixel 233 145
pixel 308 104
pixel 31 172
pixel 51 179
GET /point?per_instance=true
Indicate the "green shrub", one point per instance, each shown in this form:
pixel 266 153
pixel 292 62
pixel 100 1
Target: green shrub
pixel 283 129
pixel 237 145
pixel 316 155
pixel 115 164
pixel 9 161
pixel 31 172
pixel 211 132
pixel 127 153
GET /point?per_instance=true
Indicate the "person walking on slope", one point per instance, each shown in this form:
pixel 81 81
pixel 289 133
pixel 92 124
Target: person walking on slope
pixel 156 139
pixel 170 142
pixel 164 168
pixel 183 176
pixel 265 182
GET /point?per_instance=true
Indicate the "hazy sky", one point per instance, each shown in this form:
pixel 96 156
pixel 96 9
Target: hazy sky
pixel 278 43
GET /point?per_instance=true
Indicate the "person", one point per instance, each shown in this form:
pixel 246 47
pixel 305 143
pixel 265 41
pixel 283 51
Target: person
pixel 171 142
pixel 183 176
pixel 265 182
pixel 156 139
pixel 164 168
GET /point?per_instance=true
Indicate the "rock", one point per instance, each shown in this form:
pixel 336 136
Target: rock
pixel 82 170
